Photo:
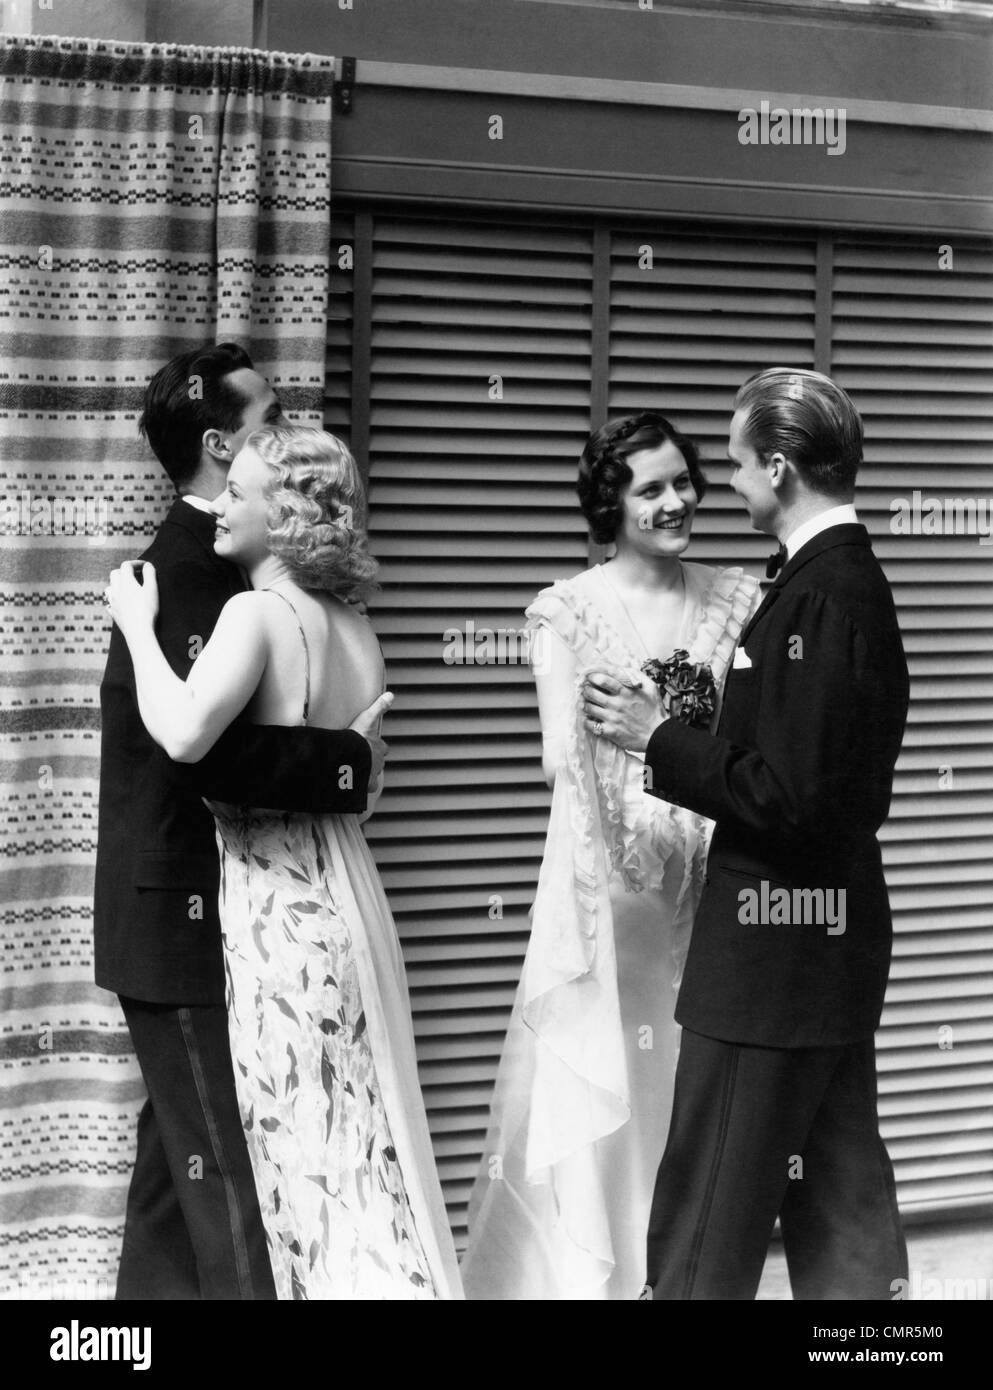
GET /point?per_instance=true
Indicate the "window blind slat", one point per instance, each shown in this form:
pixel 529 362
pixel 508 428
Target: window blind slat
pixel 480 393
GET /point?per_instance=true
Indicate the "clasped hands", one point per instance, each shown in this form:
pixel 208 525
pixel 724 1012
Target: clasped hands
pixel 620 709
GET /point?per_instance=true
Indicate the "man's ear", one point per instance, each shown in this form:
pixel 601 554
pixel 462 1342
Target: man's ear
pixel 779 468
pixel 217 446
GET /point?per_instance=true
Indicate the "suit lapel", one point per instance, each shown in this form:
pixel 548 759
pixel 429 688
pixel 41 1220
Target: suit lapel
pixel 851 533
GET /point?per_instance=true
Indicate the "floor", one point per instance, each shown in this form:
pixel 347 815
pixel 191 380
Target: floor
pixel 946 1262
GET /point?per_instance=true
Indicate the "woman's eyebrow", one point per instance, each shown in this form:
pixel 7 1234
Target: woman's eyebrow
pixel 656 482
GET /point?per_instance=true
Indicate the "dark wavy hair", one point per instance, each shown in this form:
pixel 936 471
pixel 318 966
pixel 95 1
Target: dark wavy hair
pixel 174 420
pixel 806 417
pixel 317 515
pixel 604 474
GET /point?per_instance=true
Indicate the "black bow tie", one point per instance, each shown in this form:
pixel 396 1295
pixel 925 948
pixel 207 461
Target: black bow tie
pixel 775 563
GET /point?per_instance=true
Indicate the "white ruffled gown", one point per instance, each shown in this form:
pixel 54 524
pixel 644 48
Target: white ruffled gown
pixel 584 1090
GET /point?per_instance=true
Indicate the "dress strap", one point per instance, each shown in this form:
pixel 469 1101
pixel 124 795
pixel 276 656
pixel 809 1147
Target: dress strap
pixel 306 651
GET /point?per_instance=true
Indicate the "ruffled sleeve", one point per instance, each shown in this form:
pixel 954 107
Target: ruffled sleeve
pixel 727 599
pixel 560 609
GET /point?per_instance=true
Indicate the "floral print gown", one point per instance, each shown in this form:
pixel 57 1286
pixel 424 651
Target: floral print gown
pixel 323 1052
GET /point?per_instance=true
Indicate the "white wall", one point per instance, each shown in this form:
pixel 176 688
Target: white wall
pixel 201 22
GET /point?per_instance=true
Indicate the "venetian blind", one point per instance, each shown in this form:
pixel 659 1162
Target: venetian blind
pixel 912 341
pixel 480 362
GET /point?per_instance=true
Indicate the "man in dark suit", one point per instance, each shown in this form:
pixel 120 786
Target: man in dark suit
pixel 775 1108
pixel 193 1228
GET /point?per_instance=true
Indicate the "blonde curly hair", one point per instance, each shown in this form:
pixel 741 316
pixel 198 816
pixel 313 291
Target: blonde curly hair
pixel 317 513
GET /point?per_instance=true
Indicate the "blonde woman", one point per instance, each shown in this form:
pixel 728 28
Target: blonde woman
pixel 319 1015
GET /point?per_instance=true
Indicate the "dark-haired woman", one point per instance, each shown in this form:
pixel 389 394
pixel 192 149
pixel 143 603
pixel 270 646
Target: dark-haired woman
pixel 584 1091
pixel 319 1016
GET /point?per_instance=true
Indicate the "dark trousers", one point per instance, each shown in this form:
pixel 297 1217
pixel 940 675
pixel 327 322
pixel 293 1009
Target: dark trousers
pixel 761 1132
pixel 193 1227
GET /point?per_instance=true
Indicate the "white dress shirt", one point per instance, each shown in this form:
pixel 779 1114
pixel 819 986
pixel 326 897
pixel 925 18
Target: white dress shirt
pixel 201 503
pixel 834 516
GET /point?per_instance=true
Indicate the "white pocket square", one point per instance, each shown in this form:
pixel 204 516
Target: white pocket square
pixel 741 661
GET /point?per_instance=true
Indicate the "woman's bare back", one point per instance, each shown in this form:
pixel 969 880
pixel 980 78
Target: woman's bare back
pixel 346 664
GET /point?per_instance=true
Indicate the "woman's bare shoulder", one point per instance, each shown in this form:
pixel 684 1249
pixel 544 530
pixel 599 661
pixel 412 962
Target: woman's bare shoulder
pixel 247 606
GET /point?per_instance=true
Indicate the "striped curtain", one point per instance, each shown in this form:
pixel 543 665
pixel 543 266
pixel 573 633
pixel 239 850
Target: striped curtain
pixel 151 199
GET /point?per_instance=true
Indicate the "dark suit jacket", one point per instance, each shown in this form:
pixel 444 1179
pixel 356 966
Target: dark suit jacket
pixel 798 778
pixel 156 851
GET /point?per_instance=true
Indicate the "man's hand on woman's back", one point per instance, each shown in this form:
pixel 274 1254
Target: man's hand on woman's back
pixel 367 724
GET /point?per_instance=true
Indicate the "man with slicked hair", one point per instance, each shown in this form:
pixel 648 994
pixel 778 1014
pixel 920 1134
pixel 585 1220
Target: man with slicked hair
pixel 193 1229
pixel 775 1111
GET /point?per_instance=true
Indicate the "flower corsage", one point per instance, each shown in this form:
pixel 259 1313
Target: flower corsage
pixel 687 688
